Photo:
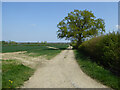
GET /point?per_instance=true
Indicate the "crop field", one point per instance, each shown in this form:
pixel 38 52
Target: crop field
pixel 27 47
pixel 36 49
pixel 14 71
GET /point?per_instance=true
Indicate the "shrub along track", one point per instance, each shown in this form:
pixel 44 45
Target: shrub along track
pixel 61 72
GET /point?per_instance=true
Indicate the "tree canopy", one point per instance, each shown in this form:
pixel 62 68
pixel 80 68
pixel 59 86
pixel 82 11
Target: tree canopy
pixel 78 25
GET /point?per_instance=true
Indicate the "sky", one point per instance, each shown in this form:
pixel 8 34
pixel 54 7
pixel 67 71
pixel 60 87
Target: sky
pixel 37 21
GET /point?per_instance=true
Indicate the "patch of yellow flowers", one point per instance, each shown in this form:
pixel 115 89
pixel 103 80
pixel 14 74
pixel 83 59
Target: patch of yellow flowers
pixel 10 83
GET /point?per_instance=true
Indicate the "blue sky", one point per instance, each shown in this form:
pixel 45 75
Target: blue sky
pixel 29 21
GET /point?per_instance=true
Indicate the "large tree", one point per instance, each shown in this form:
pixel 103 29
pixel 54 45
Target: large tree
pixel 78 25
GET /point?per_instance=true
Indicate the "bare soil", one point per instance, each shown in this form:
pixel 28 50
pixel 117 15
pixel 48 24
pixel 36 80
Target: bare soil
pixel 23 58
pixel 61 72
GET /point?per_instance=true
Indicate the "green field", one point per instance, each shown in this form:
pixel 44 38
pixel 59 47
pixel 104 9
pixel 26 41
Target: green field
pixel 36 49
pixel 14 73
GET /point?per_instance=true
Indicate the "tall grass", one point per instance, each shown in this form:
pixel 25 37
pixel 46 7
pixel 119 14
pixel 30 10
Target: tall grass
pixel 105 50
pixel 14 74
pixel 97 72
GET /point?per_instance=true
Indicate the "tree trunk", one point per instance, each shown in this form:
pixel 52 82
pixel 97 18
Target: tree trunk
pixel 78 42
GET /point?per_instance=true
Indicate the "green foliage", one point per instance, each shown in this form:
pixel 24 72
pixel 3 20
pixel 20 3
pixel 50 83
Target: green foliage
pixel 45 42
pixel 4 42
pixel 42 42
pixel 97 72
pixel 78 25
pixel 9 42
pixel 105 50
pixel 14 74
pixel 12 42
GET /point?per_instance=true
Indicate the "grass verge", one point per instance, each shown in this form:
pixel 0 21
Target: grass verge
pixel 14 73
pixel 97 72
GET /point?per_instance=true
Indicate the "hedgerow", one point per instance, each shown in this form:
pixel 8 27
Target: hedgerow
pixel 105 50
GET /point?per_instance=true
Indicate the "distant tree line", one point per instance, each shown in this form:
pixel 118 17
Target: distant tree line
pixel 15 43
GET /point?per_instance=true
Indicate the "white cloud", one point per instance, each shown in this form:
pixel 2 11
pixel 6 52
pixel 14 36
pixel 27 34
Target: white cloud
pixel 118 26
